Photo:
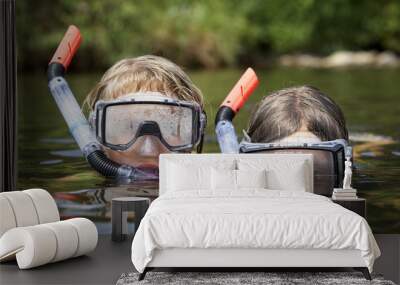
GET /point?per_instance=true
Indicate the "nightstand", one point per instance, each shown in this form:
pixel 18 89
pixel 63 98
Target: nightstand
pixel 119 217
pixel 357 205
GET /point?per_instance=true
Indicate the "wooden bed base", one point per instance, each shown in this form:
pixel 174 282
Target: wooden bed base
pixel 244 259
pixel 364 270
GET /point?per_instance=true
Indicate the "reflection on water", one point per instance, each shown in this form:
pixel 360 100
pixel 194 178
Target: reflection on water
pixel 49 158
pixel 96 203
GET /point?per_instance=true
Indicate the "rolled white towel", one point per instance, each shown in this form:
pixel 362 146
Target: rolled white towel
pixel 40 244
pixel 66 238
pixel 23 208
pixel 7 218
pixel 87 235
pixel 26 208
pixel 45 205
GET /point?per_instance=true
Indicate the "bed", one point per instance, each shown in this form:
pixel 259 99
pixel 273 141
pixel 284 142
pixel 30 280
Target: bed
pixel 247 210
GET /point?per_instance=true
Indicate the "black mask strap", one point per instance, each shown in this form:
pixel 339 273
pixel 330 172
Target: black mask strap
pixel 199 148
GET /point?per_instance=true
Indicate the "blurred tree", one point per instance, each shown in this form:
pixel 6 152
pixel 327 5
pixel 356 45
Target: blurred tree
pixel 204 33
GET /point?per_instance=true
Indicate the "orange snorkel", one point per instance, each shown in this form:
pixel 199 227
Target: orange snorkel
pixel 65 52
pixel 73 116
pixel 241 91
pixel 236 98
pixel 67 47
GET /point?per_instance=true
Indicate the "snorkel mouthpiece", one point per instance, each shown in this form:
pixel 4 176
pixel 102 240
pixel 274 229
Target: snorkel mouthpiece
pixel 236 98
pixel 73 116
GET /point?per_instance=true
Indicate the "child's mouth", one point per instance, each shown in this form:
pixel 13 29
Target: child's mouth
pixel 147 166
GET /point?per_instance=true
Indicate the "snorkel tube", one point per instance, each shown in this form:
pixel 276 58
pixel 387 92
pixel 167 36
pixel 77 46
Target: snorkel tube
pixel 226 135
pixel 76 121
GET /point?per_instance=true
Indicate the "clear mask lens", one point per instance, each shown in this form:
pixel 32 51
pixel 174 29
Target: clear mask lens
pixel 328 163
pixel 124 123
pixel 325 176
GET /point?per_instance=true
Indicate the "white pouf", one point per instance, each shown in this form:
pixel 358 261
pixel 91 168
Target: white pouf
pixel 32 246
pixel 31 231
pixel 40 244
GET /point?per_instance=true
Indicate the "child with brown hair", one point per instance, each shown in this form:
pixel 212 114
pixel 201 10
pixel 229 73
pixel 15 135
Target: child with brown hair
pixel 302 120
pixel 298 113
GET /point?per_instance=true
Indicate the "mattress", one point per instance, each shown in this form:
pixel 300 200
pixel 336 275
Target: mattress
pixel 250 219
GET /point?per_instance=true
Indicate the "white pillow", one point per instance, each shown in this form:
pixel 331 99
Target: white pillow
pixel 251 178
pixel 188 177
pixel 284 172
pixel 227 179
pixel 292 178
pixel 223 179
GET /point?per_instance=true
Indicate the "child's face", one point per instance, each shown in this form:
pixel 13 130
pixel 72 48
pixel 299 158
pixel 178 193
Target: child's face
pixel 125 121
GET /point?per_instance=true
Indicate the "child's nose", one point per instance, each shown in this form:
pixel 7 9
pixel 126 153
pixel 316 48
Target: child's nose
pixel 149 146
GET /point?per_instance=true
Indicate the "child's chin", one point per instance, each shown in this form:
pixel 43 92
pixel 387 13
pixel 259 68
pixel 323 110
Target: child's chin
pixel 147 166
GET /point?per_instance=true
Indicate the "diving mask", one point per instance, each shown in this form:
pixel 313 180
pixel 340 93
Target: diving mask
pixel 328 156
pixel 179 125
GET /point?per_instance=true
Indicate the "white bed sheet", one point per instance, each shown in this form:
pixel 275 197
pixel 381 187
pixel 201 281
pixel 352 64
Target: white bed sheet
pixel 253 218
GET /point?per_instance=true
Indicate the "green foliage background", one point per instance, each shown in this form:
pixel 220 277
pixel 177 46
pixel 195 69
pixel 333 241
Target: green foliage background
pixel 207 33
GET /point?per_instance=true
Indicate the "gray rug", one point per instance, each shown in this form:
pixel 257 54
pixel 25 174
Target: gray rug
pixel 230 278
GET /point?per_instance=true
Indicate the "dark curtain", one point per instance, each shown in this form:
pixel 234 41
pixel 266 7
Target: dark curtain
pixel 8 101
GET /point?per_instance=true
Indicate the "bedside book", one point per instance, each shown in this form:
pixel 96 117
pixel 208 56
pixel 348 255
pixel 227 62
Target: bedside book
pixel 344 194
pixel 336 197
pixel 340 190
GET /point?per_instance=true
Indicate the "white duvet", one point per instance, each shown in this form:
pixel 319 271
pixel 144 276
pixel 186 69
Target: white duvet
pixel 250 219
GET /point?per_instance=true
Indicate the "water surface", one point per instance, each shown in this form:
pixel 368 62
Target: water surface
pixel 370 99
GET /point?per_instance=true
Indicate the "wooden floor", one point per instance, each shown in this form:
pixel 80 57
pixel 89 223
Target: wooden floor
pixel 103 266
pixel 110 260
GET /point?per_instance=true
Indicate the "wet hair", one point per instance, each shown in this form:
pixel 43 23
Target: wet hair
pixel 289 110
pixel 144 73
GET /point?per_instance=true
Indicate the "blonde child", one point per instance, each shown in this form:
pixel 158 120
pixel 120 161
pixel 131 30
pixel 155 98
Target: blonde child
pixel 150 76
